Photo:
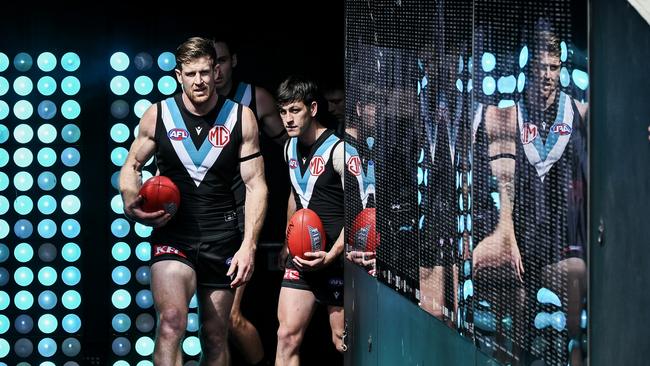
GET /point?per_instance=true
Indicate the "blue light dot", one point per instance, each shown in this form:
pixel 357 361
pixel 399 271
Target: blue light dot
pixel 4 157
pixel 140 107
pixel 23 229
pixel 4 230
pixel 23 252
pixel 70 85
pixel 119 61
pixel 507 84
pixel 4 181
pixel 117 204
pixel 4 300
pixel 580 78
pixel 47 276
pixel 4 134
pixel 70 109
pixel 121 275
pixel 46 157
pixel 47 300
pixel 119 132
pixel 23 276
pixel 46 133
pixel 23 61
pixel 143 85
pixel 143 61
pixel 121 251
pixel 521 82
pixel 71 299
pixel 24 299
pixel 23 109
pixel 71 275
pixel 23 85
pixel 4 324
pixel 167 85
pixel 4 205
pixel 115 180
pixel 46 85
pixel 167 61
pixel 23 205
pixel 70 228
pixel 70 156
pixel 120 228
pixel 143 231
pixel 119 109
pixel 71 323
pixel 4 252
pixel 118 156
pixel 4 85
pixel 71 252
pixel 47 227
pixel 192 322
pixel 47 205
pixel 144 299
pixel 47 323
pixel 4 62
pixel 121 323
pixel 46 61
pixel 23 133
pixel 70 180
pixel 70 204
pixel 143 275
pixel 489 85
pixel 565 78
pixel 506 103
pixel 70 133
pixel 121 299
pixel 4 110
pixel 46 109
pixel 143 251
pixel 193 302
pixel 523 57
pixel 70 61
pixel 119 85
pixel 4 348
pixel 46 180
pixel 144 346
pixel 563 51
pixel 488 62
pixel 192 346
pixel 4 276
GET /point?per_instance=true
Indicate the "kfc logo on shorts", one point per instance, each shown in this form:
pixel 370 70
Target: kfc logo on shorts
pixel 166 249
pixel 528 133
pixel 291 274
pixel 178 134
pixel 293 163
pixel 354 165
pixel 317 166
pixel 561 129
pixel 219 136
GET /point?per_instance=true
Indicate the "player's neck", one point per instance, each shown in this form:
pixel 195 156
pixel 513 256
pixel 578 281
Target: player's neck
pixel 550 100
pixel 312 134
pixel 202 108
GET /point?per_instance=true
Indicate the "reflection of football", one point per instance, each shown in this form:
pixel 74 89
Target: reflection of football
pixel 160 193
pixel 364 234
pixel 305 233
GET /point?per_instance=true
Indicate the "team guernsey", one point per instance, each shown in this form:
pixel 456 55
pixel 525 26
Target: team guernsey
pixel 551 176
pixel 200 154
pixel 317 186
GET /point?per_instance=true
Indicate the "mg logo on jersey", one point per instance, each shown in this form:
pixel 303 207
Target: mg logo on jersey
pixel 561 129
pixel 219 136
pixel 354 165
pixel 317 166
pixel 528 133
pixel 167 249
pixel 178 134
pixel 293 163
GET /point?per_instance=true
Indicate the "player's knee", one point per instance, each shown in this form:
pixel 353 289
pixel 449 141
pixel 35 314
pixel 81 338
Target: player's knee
pixel 172 323
pixel 214 340
pixel 288 339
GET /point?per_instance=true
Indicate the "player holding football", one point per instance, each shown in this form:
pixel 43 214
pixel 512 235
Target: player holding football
pixel 315 156
pixel 198 139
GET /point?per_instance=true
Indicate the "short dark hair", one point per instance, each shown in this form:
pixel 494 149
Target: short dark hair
pixel 298 89
pixel 546 38
pixel 194 48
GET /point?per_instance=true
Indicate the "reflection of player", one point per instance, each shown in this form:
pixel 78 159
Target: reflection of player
pixel 200 247
pixel 359 143
pixel 315 156
pixel 541 163
pixel 440 113
pixel 335 96
pixel 262 103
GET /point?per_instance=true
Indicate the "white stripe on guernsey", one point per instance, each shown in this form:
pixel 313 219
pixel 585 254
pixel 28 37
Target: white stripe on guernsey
pixel 247 97
pixel 197 173
pixel 543 166
pixel 478 116
pixel 305 196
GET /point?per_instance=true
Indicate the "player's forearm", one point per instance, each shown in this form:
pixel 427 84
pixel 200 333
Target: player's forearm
pixel 255 211
pixel 336 249
pixel 130 181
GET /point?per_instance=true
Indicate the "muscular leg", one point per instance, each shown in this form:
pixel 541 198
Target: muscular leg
pixel 244 335
pixel 295 309
pixel 172 283
pixel 337 323
pixel 432 288
pixel 214 311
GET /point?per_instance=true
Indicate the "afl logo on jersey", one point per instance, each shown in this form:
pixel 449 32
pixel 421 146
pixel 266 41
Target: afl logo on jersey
pixel 293 163
pixel 219 136
pixel 178 134
pixel 317 166
pixel 528 133
pixel 561 129
pixel 354 165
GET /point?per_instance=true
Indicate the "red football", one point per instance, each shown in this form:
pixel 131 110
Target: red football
pixel 364 234
pixel 160 193
pixel 305 233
